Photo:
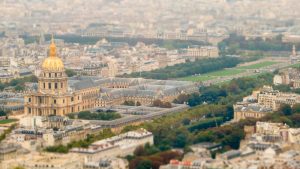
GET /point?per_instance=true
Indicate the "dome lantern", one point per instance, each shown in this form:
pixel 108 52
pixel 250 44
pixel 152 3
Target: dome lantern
pixel 53 63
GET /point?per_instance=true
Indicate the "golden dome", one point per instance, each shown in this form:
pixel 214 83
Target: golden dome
pixel 53 63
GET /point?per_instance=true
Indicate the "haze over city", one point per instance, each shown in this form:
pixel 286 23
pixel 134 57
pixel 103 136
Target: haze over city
pixel 149 84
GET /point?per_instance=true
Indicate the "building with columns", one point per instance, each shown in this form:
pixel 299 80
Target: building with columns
pixel 52 96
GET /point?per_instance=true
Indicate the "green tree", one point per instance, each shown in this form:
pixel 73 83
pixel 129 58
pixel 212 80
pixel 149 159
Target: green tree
pixel 285 109
pixel 70 72
pixel 19 88
pixel 145 164
pixel 180 140
pixel 2 112
pixel 129 103
pixel 296 108
pixel 186 121
pixel 2 86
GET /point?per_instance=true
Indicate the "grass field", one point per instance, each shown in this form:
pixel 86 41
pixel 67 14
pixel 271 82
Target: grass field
pixel 297 65
pixel 198 78
pixel 7 121
pixel 213 75
pixel 229 72
pixel 226 72
pixel 258 65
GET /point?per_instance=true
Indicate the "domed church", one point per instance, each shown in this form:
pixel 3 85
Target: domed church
pixel 52 97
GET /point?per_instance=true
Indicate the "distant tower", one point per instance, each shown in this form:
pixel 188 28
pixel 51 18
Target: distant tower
pixel 42 39
pixel 294 57
pixel 294 53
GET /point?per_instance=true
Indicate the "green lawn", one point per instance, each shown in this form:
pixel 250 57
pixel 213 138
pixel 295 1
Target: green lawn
pixel 297 65
pixel 197 78
pixel 226 72
pixel 7 121
pixel 213 75
pixel 259 65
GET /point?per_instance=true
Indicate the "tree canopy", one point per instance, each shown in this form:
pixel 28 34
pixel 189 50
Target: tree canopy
pixel 98 115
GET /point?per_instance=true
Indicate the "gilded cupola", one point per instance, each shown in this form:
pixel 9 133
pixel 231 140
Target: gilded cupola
pixel 53 62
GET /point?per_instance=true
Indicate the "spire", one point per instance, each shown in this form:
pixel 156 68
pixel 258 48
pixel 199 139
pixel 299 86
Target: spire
pixel 52 50
pixel 294 53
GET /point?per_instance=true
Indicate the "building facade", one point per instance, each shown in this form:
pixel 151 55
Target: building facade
pixel 52 96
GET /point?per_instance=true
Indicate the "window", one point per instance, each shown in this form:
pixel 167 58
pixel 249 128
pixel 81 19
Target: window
pixel 78 98
pixel 63 100
pixel 54 101
pixel 55 86
pixel 54 111
pixel 29 99
pixel 61 85
pixel 29 110
pixel 49 74
pixel 55 74
pixel 49 85
pixel 72 99
pixel 44 85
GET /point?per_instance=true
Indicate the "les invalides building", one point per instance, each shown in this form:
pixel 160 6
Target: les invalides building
pixel 59 95
pixel 52 96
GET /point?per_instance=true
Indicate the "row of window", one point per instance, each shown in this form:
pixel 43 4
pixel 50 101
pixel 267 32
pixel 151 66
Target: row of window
pixel 54 101
pixel 52 74
pixel 54 87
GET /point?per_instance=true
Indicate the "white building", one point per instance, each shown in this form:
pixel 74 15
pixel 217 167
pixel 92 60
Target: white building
pixel 120 145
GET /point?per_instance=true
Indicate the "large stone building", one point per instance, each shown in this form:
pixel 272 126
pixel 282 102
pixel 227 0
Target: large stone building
pixel 117 146
pixel 58 95
pixel 249 110
pixel 273 99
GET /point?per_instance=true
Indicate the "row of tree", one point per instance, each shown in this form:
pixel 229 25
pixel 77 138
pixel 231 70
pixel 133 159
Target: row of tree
pixel 169 44
pixel 19 83
pixel 189 68
pixel 131 103
pixel 236 42
pixel 103 115
pixel 161 104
